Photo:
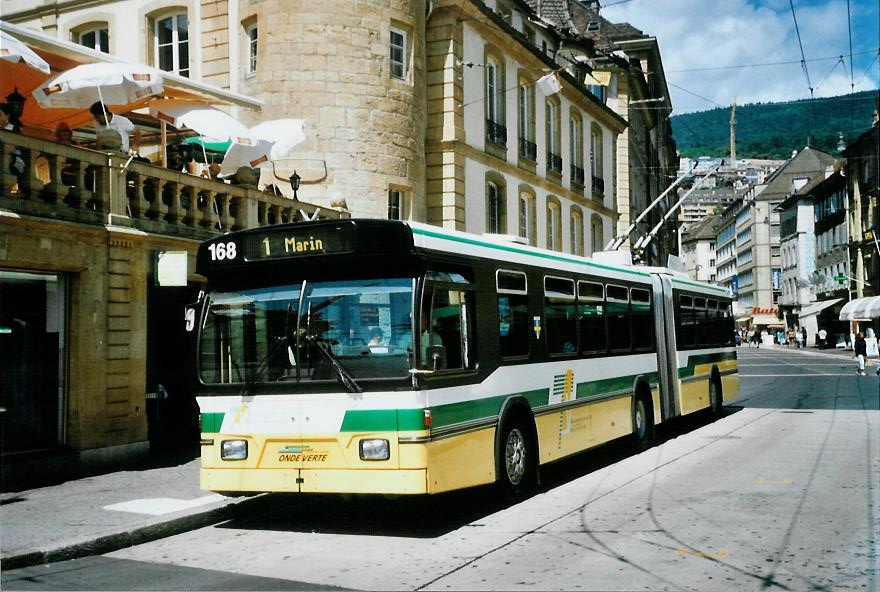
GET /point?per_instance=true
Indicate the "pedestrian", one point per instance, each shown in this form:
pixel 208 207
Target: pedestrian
pixel 129 135
pixel 780 337
pixel 804 335
pixel 798 339
pixel 823 334
pixel 750 335
pixel 860 352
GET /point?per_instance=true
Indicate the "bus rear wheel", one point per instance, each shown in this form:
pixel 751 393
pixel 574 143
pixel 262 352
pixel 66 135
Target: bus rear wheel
pixel 643 428
pixel 716 397
pixel 516 463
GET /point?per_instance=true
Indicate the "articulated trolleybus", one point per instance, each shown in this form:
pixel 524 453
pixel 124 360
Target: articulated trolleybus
pixel 374 356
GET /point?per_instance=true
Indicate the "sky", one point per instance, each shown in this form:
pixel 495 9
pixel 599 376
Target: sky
pixel 715 50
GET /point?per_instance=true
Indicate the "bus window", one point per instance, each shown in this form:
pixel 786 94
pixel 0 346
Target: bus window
pixel 514 325
pixel 591 317
pixel 619 337
pixel 727 326
pixel 642 320
pixel 713 322
pixel 685 326
pixel 560 325
pixel 447 341
pixel 701 322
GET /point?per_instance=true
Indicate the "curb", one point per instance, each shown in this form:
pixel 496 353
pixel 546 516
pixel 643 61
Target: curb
pixel 138 536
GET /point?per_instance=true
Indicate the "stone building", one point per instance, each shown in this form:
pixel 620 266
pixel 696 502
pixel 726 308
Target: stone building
pixel 698 248
pixel 417 110
pixel 628 76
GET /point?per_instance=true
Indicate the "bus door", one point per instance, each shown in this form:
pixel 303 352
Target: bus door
pixel 667 360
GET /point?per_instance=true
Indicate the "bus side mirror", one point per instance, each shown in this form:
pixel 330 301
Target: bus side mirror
pixel 436 357
pixel 190 316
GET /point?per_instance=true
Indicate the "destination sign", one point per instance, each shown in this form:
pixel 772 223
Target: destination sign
pixel 292 242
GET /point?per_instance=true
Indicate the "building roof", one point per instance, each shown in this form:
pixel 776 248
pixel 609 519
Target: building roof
pixel 809 163
pixel 705 229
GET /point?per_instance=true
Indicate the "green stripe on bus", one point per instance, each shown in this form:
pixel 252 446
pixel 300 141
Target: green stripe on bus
pixel 211 422
pixel 611 385
pixel 453 413
pixel 513 249
pixel 694 361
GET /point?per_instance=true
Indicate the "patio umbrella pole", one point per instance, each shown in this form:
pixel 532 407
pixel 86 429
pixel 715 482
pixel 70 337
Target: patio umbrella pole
pixel 163 142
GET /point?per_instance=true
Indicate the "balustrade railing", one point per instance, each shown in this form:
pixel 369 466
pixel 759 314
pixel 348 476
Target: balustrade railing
pixel 577 175
pixel 496 133
pixel 598 188
pixel 43 178
pixel 554 162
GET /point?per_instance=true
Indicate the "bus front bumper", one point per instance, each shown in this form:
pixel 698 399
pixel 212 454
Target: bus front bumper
pixel 382 481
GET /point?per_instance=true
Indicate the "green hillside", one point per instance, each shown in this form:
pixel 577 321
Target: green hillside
pixel 773 130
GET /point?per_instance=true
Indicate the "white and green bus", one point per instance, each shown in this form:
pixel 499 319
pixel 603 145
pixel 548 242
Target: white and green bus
pixel 374 356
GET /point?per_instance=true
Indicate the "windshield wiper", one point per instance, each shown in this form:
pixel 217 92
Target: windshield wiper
pixel 342 374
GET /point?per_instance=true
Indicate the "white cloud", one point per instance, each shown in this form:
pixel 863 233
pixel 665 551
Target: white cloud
pixel 696 37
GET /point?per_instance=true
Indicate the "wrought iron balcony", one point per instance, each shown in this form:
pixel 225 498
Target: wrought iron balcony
pixel 598 187
pixel 91 187
pixel 528 149
pixel 496 133
pixel 554 162
pixel 577 175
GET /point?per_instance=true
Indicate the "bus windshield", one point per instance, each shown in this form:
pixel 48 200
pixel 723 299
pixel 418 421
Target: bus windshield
pixel 337 332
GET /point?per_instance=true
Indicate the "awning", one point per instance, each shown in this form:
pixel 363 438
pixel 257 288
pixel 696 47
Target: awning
pixel 861 309
pixel 63 55
pixel 744 319
pixel 817 307
pixel 765 319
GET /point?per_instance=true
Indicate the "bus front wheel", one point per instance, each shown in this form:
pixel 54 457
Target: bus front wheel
pixel 516 464
pixel 643 428
pixel 716 398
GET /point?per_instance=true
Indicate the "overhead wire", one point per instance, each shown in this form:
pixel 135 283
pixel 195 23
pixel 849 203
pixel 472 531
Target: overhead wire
pixel 801 45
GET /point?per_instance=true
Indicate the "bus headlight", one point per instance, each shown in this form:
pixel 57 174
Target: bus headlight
pixel 233 449
pixel 375 449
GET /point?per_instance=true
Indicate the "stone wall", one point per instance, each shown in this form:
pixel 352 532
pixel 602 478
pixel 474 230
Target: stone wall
pixel 328 63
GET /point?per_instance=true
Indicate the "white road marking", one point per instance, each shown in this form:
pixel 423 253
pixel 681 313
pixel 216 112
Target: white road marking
pixel 158 506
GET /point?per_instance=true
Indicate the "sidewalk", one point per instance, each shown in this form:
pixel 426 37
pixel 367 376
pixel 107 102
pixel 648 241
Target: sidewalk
pixel 96 515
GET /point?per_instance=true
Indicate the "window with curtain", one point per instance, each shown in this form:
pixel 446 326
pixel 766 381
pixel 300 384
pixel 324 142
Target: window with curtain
pixel 597 238
pixel 577 231
pixel 576 147
pixel 526 103
pixel 554 225
pixel 554 159
pixel 495 218
pixel 526 217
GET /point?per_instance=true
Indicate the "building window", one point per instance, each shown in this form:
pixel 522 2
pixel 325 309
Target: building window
pixel 395 204
pixel 526 101
pixel 496 220
pixel 171 44
pixel 554 159
pixel 576 148
pixel 496 131
pixel 252 35
pixel 597 238
pixel 399 66
pixel 597 162
pixel 576 231
pixel 554 225
pixel 97 38
pixel 526 217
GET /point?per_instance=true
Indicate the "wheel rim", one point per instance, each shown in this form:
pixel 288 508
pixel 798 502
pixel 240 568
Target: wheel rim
pixel 515 456
pixel 640 419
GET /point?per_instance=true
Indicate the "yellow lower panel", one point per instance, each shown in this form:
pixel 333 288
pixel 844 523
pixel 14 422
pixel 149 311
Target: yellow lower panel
pixel 694 395
pixel 729 386
pixel 564 432
pixel 315 481
pixel 461 461
pixel 612 419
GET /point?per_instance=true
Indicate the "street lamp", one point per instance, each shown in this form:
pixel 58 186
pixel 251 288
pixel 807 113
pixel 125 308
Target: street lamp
pixel 294 183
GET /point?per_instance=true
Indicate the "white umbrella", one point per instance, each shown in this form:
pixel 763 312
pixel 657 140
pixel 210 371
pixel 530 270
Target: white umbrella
pixel 270 140
pixel 199 117
pixel 13 50
pixel 113 83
